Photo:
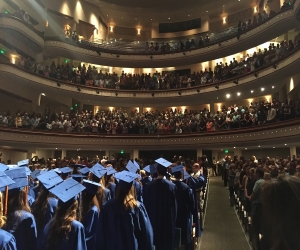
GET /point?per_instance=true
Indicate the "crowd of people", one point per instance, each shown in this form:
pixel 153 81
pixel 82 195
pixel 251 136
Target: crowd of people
pixel 90 76
pixel 268 189
pixel 90 205
pixel 171 121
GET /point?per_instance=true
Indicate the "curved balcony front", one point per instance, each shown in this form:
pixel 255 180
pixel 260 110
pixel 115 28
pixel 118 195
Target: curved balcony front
pixel 27 83
pixel 21 36
pixel 86 52
pixel 281 133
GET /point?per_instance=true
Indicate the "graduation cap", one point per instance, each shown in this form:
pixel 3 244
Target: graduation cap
pixel 163 162
pixel 5 180
pixel 136 164
pixel 153 168
pixel 185 175
pixel 131 167
pixel 18 175
pixel 67 190
pixel 28 171
pixel 56 170
pixel 147 169
pixel 3 167
pixel 98 170
pixel 23 163
pixel 36 173
pixel 65 170
pixel 126 179
pixel 84 171
pixel 78 177
pixel 91 186
pixel 177 168
pixel 49 179
pixel 110 170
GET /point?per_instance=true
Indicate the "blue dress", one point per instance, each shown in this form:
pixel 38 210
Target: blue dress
pixel 7 241
pixel 160 202
pixel 22 226
pixel 121 229
pixel 75 241
pixel 90 223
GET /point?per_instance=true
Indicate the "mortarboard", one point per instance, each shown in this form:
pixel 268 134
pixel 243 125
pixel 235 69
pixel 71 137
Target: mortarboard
pixel 98 170
pixel 135 163
pixel 65 170
pixel 91 186
pixel 5 180
pixel 185 175
pixel 3 167
pixel 177 168
pixel 78 177
pixel 131 167
pixel 56 170
pixel 153 168
pixel 36 173
pixel 28 171
pixel 110 170
pixel 23 163
pixel 163 162
pixel 84 171
pixel 147 169
pixel 67 190
pixel 18 175
pixel 49 179
pixel 12 166
pixel 126 178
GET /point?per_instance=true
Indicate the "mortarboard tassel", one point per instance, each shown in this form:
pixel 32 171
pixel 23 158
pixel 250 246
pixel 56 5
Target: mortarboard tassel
pixel 6 201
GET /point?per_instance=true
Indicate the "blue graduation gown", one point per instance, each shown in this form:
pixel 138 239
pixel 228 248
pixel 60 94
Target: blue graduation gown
pixel 107 195
pixel 185 205
pixel 112 187
pixel 196 184
pixel 138 191
pixel 7 241
pixel 145 180
pixel 160 202
pixel 75 241
pixel 121 229
pixel 30 200
pixel 22 226
pixel 90 223
pixel 31 192
pixel 36 190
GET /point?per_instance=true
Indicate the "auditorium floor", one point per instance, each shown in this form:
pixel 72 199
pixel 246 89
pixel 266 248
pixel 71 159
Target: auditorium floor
pixel 222 229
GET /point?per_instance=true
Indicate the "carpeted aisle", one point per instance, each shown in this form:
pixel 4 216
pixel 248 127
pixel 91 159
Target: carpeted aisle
pixel 222 229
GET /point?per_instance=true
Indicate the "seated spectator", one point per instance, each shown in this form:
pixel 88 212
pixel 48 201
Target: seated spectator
pixel 201 41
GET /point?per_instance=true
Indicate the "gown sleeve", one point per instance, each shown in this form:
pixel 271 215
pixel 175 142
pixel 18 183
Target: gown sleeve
pixel 77 237
pixel 107 195
pixel 145 231
pixel 7 241
pixel 90 223
pixel 11 245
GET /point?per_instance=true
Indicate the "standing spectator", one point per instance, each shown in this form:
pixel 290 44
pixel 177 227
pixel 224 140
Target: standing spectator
pixel 18 121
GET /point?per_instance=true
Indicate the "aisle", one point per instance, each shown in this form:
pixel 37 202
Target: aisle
pixel 222 229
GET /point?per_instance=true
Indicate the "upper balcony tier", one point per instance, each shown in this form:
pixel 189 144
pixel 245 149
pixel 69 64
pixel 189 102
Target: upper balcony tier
pixel 133 55
pixel 28 84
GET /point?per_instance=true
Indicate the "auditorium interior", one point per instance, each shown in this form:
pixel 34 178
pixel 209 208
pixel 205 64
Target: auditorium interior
pixel 150 79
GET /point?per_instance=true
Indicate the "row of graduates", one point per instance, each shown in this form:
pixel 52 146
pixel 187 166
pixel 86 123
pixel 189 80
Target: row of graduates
pixel 63 210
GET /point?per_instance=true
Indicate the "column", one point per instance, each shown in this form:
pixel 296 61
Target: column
pixel 135 154
pixel 199 153
pixel 293 151
pixel 282 95
pixel 107 154
pixel 237 152
pixel 141 109
pixel 63 153
pixel 211 107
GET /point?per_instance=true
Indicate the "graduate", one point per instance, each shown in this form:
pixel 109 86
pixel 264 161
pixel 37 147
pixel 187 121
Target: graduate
pixel 145 173
pixel 185 205
pixel 131 167
pixel 96 174
pixel 20 221
pixel 110 181
pixel 160 202
pixel 7 240
pixel 64 232
pixel 45 205
pixel 90 212
pixel 124 223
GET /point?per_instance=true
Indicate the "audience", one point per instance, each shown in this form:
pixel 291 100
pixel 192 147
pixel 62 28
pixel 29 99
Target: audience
pixel 155 122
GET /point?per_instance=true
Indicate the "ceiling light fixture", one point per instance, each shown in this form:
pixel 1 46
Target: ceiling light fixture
pixel 262 89
pixel 227 95
pixel 252 91
pixel 238 93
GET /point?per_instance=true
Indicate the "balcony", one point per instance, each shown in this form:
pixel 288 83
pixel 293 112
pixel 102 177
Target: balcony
pixel 26 39
pixel 131 57
pixel 265 136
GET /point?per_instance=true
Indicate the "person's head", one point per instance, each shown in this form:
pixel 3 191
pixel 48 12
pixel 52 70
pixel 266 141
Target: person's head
pixel 196 167
pixel 178 175
pixel 259 173
pixel 161 170
pixel 125 195
pixel 280 203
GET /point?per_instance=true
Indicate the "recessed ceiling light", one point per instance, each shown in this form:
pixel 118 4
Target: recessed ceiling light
pixel 233 147
pixel 151 19
pixel 169 18
pixel 206 11
pixel 273 87
pixel 262 89
pixel 228 95
pixel 252 91
pixel 285 144
pixel 238 93
pixel 259 146
pixel 43 94
pixel 188 15
pixel 273 147
pixel 246 148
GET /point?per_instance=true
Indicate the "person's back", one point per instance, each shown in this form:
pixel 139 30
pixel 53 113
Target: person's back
pixel 160 202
